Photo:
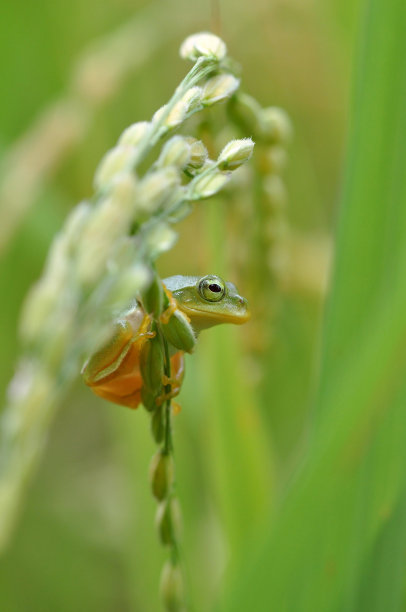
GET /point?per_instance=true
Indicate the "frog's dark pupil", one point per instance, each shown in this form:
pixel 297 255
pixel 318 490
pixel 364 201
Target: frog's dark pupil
pixel 215 288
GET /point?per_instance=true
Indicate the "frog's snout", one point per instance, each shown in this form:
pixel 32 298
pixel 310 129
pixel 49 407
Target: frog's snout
pixel 244 313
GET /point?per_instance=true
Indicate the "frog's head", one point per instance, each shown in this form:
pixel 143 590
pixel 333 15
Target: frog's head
pixel 208 301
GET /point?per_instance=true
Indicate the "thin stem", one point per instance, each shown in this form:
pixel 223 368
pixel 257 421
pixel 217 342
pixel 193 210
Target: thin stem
pixel 215 17
pixel 168 446
pixel 168 432
pixel 167 449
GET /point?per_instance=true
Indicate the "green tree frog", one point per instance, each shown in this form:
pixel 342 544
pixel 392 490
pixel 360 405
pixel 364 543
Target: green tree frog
pixel 115 373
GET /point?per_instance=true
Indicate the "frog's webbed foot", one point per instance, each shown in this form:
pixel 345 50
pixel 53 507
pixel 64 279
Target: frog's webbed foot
pixel 174 382
pixel 145 332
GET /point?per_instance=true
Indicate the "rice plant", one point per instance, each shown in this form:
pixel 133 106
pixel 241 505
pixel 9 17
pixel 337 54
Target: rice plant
pixel 279 485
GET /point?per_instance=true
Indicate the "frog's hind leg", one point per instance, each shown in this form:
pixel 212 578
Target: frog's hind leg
pixel 113 372
pixel 123 385
pixel 131 400
pixel 123 389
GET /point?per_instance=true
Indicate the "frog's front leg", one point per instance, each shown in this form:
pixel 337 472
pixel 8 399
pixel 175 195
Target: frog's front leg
pixel 165 316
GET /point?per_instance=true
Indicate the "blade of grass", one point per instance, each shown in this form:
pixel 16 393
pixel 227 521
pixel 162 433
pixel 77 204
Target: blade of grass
pixel 373 217
pixel 341 509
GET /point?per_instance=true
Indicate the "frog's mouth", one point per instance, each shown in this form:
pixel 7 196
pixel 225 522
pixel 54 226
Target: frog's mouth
pixel 205 318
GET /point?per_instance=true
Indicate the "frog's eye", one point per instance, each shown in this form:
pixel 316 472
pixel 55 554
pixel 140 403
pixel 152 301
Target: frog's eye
pixel 212 288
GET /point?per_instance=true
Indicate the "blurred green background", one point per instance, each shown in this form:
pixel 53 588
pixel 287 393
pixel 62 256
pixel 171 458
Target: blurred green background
pixel 289 473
